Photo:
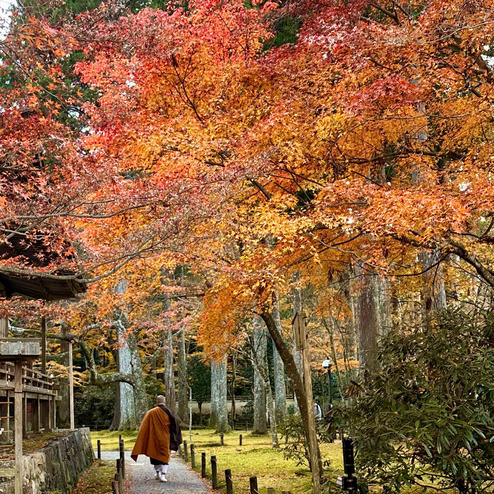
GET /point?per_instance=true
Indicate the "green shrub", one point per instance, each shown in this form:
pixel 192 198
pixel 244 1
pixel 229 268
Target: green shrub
pixel 425 418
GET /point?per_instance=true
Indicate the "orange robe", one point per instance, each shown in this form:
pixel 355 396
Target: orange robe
pixel 153 439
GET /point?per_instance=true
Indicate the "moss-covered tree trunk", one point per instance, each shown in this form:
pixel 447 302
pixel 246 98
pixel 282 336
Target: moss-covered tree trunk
pixel 278 373
pixel 124 412
pixel 258 358
pixel 219 407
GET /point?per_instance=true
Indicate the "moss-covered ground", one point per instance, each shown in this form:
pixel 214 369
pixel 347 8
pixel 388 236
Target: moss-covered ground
pixel 97 479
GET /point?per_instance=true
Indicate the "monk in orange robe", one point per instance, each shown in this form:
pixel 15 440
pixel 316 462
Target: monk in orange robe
pixel 159 434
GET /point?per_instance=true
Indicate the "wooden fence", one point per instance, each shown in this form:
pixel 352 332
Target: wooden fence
pixel 188 452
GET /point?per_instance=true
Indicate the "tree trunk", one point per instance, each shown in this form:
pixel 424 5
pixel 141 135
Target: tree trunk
pixel 140 397
pixel 291 368
pixel 232 390
pixel 63 420
pixel 368 322
pixel 260 366
pixel 258 357
pixel 214 401
pixel 219 406
pixel 433 290
pixel 183 386
pixel 169 375
pixel 383 292
pixel 278 373
pixel 124 412
pixel 297 308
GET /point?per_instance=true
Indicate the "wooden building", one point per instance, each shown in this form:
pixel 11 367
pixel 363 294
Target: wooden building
pixel 27 396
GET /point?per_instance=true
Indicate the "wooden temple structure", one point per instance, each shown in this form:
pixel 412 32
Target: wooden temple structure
pixel 28 396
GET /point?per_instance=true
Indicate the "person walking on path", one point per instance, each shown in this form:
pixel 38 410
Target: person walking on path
pixel 159 435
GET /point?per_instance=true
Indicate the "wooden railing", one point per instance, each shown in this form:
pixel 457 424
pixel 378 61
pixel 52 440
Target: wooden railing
pixel 33 381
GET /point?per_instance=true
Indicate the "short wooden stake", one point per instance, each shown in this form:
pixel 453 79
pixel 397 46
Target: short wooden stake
pixel 222 439
pixel 253 485
pixel 186 452
pixel 192 456
pixel 203 465
pixel 122 456
pixel 214 472
pixel 228 481
pixel 240 440
pixel 99 449
pixel 115 488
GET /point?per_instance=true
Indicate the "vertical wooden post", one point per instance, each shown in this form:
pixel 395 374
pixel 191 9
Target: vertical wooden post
pixel 50 414
pixel 253 485
pixel 99 449
pixel 37 418
pixel 4 326
pixel 24 414
pixel 71 388
pixel 228 481
pixel 54 410
pixel 43 345
pixel 301 344
pixel 240 440
pixel 192 456
pixel 121 447
pixel 186 452
pixel 18 416
pixel 203 465
pixel 222 439
pixel 214 472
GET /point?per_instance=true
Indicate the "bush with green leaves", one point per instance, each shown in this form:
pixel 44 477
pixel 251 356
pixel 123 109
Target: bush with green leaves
pixel 294 445
pixel 426 417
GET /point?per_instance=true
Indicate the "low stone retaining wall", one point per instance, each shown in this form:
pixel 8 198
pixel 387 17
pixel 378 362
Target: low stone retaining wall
pixel 56 468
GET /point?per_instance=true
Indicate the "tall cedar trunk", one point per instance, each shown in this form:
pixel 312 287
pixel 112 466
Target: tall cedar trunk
pixel 291 368
pixel 278 372
pixel 383 292
pixel 169 375
pixel 259 390
pixel 260 365
pixel 273 429
pixel 124 412
pixel 219 406
pixel 213 409
pixel 233 382
pixel 433 291
pixel 297 356
pixel 368 322
pixel 63 420
pixel 183 387
pixel 140 396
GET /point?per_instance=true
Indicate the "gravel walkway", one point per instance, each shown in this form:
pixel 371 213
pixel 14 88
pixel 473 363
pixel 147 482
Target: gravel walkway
pixel 181 480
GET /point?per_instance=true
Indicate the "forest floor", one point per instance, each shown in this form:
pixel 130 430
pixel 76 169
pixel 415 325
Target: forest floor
pixel 256 457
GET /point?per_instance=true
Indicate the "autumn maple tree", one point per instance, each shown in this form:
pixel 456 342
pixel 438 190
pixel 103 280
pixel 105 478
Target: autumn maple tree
pixel 360 144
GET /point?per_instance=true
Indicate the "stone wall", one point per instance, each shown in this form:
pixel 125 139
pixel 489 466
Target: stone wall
pixel 55 469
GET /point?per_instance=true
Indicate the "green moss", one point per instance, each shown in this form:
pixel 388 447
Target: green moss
pixel 97 479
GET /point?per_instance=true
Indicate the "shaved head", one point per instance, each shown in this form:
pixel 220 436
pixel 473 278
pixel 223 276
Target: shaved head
pixel 160 399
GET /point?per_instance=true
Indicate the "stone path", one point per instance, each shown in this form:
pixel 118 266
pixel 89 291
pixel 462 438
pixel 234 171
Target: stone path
pixel 181 480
